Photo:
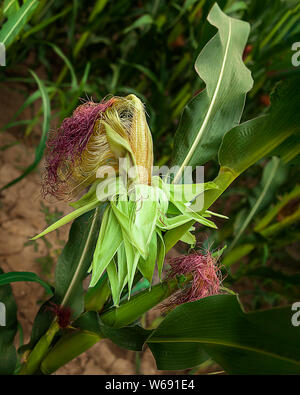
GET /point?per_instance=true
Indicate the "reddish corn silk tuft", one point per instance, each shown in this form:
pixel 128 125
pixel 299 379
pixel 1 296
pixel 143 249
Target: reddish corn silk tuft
pixel 206 278
pixel 62 313
pixel 66 145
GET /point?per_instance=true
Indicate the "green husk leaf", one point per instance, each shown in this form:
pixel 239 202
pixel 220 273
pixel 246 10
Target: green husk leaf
pixel 146 266
pixel 161 251
pixel 118 144
pixel 109 240
pixel 188 192
pixel 189 238
pixel 69 217
pixel 114 281
pixel 132 258
pixel 87 198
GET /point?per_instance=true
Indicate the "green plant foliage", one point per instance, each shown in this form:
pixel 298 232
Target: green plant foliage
pixel 219 107
pixel 7 278
pixel 129 337
pixel 251 144
pixel 75 260
pixel 15 20
pixel 86 51
pixel 45 128
pixel 241 343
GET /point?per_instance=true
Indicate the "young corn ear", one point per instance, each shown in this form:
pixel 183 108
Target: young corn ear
pixel 97 136
pixel 101 141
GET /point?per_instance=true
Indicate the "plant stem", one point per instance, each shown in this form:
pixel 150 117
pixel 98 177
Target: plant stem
pixel 42 347
pixel 73 344
pixel 139 304
pixel 67 348
pixel 40 351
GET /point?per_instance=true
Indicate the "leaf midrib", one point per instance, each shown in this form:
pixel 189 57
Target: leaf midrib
pixel 8 6
pixel 225 344
pixel 17 22
pixel 207 116
pixel 81 261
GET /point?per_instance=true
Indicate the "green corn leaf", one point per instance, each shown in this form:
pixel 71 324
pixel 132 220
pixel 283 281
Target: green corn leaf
pixel 47 22
pixel 69 217
pixel 28 102
pixel 16 21
pixel 7 278
pixel 249 142
pixel 45 128
pixel 144 20
pixel 237 254
pixel 289 149
pixel 188 192
pixel 219 107
pixel 210 213
pixel 68 63
pixel 174 222
pixel 130 337
pixel 98 7
pixel 10 7
pixel 240 343
pixel 256 138
pixel 273 211
pixel 74 261
pixel 283 224
pixel 273 176
pixel 41 323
